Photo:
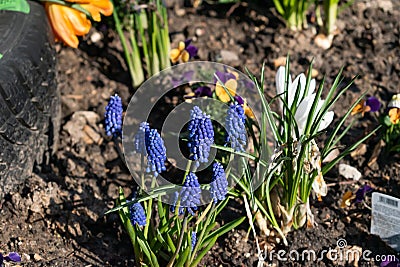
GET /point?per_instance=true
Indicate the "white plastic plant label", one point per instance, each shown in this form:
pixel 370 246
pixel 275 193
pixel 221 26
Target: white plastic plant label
pixel 386 219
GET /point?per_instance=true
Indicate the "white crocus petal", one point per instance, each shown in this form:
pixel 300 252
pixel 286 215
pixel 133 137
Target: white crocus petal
pixel 303 111
pixel 312 87
pixel 280 83
pixel 280 86
pixel 319 186
pixel 293 89
pixel 326 121
pixel 321 102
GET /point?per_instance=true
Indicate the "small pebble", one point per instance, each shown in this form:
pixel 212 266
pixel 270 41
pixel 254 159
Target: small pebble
pixel 323 41
pixel 180 12
pixel 199 32
pixel 228 56
pixel 96 37
pixel 314 73
pixel 349 172
pixel 280 61
pixel 37 257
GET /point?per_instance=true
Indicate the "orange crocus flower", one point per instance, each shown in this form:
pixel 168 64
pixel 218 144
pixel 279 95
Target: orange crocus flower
pixel 68 23
pixel 95 7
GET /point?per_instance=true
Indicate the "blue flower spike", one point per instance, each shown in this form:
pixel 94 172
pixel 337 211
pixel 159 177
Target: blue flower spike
pixel 140 139
pixel 156 152
pixel 137 214
pixel 113 117
pixel 194 239
pixel 235 127
pixel 189 195
pixel 201 136
pixel 219 183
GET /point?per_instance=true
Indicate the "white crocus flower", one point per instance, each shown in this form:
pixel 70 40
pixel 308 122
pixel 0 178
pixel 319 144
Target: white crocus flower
pixel 280 86
pixel 304 108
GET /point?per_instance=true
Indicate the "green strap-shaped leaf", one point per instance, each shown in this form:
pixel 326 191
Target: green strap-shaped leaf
pixel 224 229
pixel 15 5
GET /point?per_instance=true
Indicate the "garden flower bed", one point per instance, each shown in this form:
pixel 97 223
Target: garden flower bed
pixel 57 218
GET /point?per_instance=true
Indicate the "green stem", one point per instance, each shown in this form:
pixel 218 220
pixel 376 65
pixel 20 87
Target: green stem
pixel 124 43
pixel 330 10
pixel 142 171
pixel 188 165
pixel 178 248
pixel 139 23
pixel 138 75
pixel 165 63
pixel 291 21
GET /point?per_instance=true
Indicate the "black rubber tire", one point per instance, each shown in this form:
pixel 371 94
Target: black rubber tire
pixel 29 99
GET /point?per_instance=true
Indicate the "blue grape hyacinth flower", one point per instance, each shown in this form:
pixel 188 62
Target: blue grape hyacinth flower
pixel 219 183
pixel 113 116
pixel 201 136
pixel 189 195
pixel 137 214
pixel 156 152
pixel 140 139
pixel 194 239
pixel 235 127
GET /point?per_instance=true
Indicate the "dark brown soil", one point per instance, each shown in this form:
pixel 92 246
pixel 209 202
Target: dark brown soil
pixel 57 219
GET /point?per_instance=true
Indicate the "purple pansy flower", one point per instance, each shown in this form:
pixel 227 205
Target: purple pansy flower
pixel 373 103
pixel 388 262
pixel 13 256
pixel 361 192
pixel 239 100
pixel 223 76
pixel 203 91
pixel 191 49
